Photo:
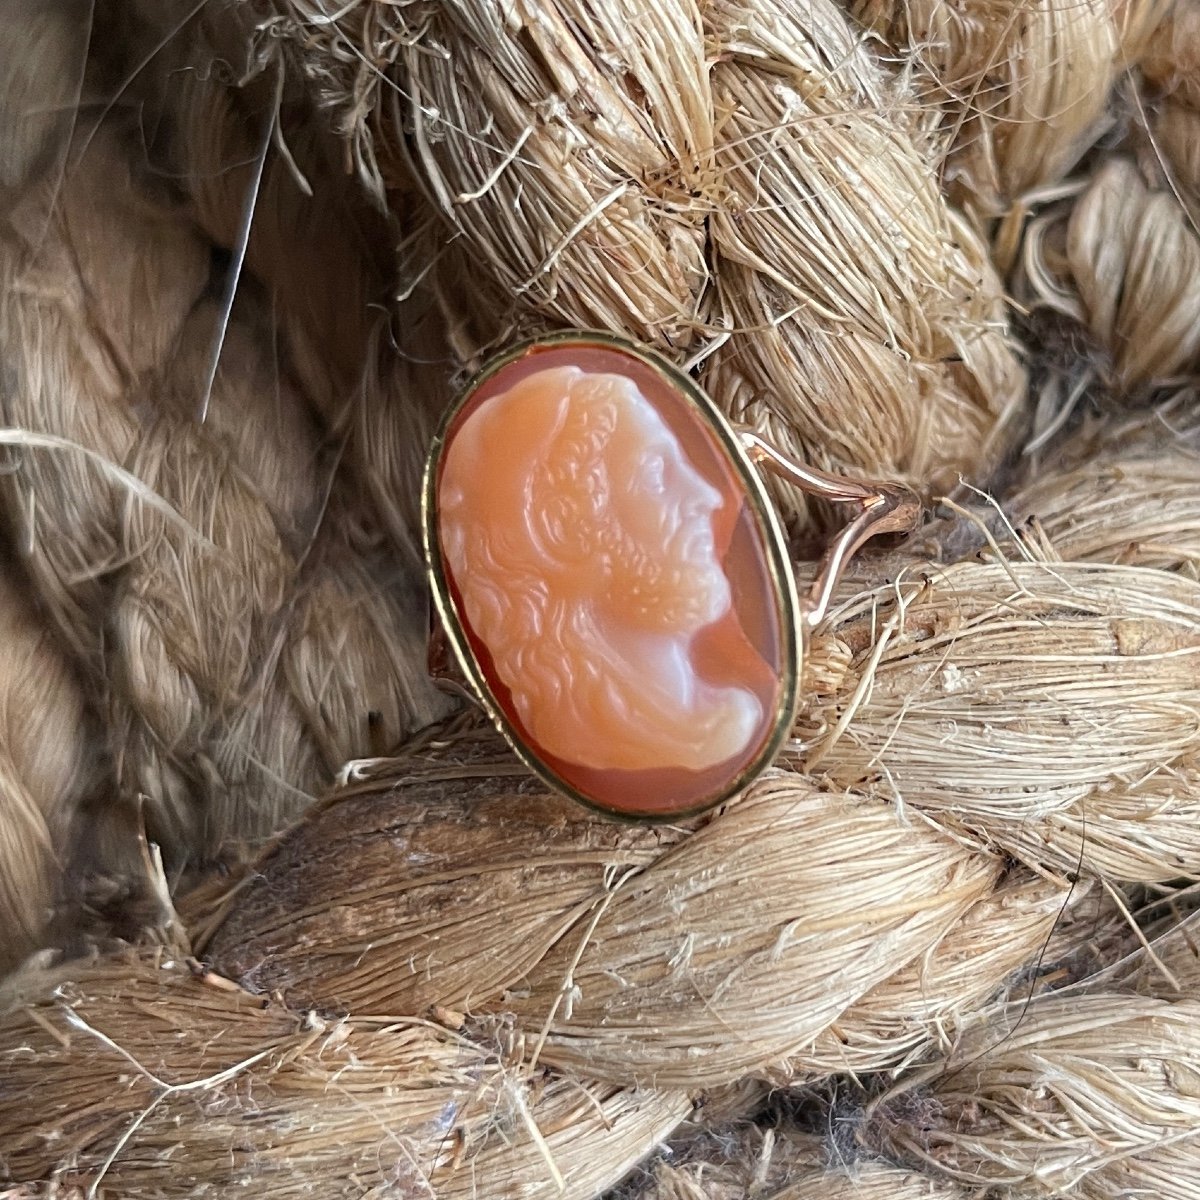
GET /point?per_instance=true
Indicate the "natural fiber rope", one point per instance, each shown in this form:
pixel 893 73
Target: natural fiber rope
pixel 752 211
pixel 1124 264
pixel 1024 89
pixel 777 1165
pixel 135 1050
pixel 474 976
pixel 1047 708
pixel 1023 1106
pixel 618 945
pixel 1124 494
pixel 188 564
pixel 48 769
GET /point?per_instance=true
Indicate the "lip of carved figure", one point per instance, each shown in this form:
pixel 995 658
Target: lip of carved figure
pixel 697 547
pixel 588 680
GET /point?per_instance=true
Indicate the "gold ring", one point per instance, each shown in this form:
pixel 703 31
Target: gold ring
pixel 611 579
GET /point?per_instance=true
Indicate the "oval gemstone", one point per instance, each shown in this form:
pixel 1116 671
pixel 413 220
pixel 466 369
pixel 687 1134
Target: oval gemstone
pixel 610 578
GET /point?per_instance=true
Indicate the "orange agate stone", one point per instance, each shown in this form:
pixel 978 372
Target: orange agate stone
pixel 609 578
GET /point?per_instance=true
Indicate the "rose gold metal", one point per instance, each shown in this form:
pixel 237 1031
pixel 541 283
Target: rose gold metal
pixel 442 664
pixel 885 507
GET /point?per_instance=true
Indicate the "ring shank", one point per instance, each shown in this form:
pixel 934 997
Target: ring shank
pixel 885 507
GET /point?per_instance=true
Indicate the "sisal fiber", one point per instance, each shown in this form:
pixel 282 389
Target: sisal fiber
pixel 1123 262
pixel 622 974
pixel 1024 1104
pixel 705 212
pixel 777 1164
pixel 1023 89
pixel 945 947
pixel 1122 493
pixel 177 1069
pixel 177 534
pixel 48 769
pixel 1045 708
pixel 614 944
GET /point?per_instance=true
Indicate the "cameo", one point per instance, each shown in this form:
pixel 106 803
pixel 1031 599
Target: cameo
pixel 608 578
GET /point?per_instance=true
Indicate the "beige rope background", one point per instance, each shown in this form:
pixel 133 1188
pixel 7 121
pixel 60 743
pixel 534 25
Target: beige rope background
pixel 910 959
pixel 662 201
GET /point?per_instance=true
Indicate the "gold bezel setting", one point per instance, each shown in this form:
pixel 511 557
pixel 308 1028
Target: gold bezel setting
pixel 771 534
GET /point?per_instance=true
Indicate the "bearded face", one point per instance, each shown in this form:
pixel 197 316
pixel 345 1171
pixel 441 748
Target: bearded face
pixel 619 501
pixel 581 540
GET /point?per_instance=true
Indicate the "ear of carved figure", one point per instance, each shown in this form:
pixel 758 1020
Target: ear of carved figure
pixel 620 502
